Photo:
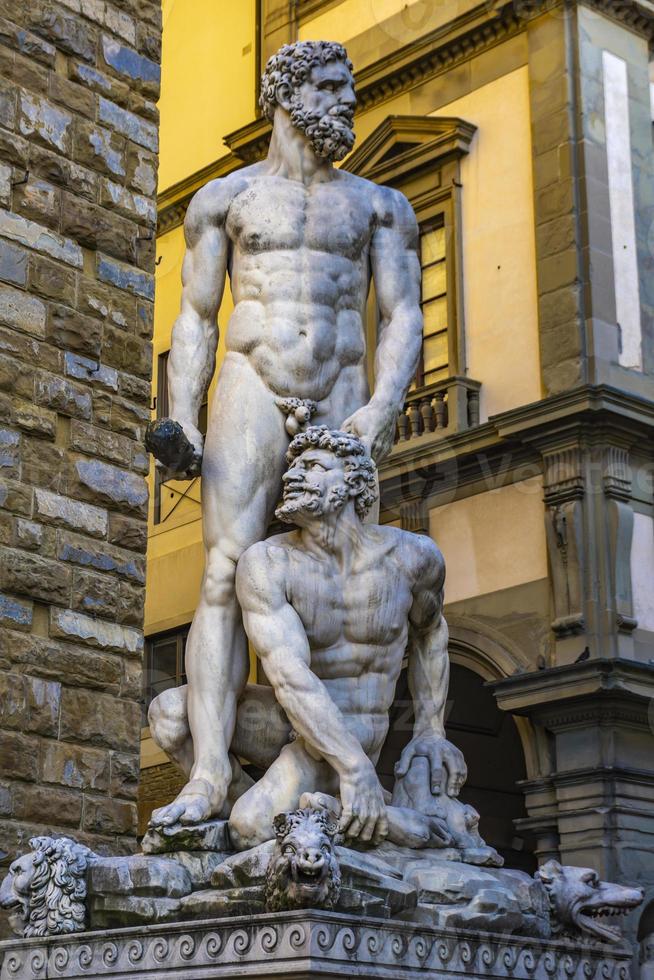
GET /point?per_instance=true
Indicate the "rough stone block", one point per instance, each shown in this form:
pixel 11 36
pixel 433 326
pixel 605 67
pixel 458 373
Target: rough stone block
pixel 5 185
pixel 98 81
pixel 128 124
pixel 125 772
pixel 29 535
pixel 127 352
pixel 36 803
pixel 210 836
pixel 63 29
pixel 95 594
pixel 120 23
pixel 127 533
pixel 59 661
pixel 126 491
pixel 15 497
pixel 40 421
pixel 141 170
pixel 40 238
pixel 94 441
pixel 43 465
pixel 39 200
pixel 52 280
pixel 23 312
pixel 71 765
pixel 62 396
pixel 18 39
pixel 15 613
pixel 64 172
pixel 45 122
pixel 67 328
pixel 14 376
pixel 66 512
pixel 105 816
pixel 104 558
pixel 137 875
pixel 98 228
pixel 99 719
pixel 36 577
pixel 130 605
pixel 134 67
pixel 77 366
pixel 125 276
pixel 19 755
pixel 127 203
pixel 29 704
pixel 9 449
pixel 100 149
pixel 106 302
pixel 75 97
pixel 121 415
pixel 106 636
pixel 13 264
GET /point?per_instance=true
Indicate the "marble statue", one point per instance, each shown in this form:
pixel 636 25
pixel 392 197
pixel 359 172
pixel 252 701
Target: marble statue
pixel 301 240
pixel 331 609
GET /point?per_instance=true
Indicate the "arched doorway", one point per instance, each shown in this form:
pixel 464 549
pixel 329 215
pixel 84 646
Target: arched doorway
pixel 492 748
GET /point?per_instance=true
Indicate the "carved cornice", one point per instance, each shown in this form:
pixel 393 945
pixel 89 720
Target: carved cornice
pixel 308 943
pixel 586 691
pixel 617 472
pixel 400 145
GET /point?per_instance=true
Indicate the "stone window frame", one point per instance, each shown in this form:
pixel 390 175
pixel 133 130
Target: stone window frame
pixel 420 156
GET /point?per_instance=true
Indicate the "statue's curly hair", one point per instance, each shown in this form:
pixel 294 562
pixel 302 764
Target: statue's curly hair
pixel 292 65
pixel 359 467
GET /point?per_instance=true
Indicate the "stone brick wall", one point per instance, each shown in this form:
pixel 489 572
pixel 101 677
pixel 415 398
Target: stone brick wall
pixel 78 159
pixel 159 785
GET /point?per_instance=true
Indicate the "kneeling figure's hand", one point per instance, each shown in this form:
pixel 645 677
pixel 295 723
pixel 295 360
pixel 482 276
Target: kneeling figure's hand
pixel 447 765
pixel 364 811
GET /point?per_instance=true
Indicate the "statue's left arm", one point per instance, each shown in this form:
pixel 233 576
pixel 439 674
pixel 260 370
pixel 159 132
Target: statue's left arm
pixel 396 273
pixel 429 673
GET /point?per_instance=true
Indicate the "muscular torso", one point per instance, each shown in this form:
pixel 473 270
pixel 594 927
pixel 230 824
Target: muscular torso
pixel 299 258
pixel 356 623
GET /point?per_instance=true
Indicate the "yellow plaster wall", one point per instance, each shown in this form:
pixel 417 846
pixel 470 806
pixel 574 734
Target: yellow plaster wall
pixel 499 250
pixel 207 81
pixel 494 540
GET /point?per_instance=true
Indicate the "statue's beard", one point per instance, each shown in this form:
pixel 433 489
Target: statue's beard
pixel 309 502
pixel 331 135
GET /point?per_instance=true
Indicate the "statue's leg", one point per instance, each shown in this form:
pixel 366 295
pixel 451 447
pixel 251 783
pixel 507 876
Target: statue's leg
pixel 295 772
pixel 241 479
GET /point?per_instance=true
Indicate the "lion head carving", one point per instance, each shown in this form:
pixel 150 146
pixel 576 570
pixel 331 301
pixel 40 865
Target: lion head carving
pixel 45 889
pixel 303 871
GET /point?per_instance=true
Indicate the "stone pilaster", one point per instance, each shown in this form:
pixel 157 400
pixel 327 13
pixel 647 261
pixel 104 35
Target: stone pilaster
pixel 78 160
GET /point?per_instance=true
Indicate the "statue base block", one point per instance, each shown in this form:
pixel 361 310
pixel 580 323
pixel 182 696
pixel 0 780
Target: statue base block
pixel 305 944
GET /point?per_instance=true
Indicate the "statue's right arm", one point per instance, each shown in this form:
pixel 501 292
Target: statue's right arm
pixel 279 637
pixel 192 356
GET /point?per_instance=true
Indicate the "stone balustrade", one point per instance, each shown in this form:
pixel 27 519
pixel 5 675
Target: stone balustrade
pixel 442 408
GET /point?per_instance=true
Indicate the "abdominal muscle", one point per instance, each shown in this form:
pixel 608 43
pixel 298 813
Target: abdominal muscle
pixel 297 339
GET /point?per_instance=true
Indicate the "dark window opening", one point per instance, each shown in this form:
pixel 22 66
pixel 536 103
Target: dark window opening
pixel 164 664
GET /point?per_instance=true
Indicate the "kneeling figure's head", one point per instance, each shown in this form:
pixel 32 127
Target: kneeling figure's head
pixel 327 468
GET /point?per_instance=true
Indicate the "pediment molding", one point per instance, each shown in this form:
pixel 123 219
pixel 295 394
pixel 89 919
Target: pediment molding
pixel 402 145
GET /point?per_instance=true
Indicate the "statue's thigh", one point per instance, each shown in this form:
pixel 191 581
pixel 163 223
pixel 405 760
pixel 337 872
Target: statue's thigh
pixel 244 456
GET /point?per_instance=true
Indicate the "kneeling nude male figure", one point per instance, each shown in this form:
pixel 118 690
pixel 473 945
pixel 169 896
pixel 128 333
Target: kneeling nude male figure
pixel 300 240
pixel 331 609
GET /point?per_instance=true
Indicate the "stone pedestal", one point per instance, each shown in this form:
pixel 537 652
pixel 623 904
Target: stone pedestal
pixel 306 944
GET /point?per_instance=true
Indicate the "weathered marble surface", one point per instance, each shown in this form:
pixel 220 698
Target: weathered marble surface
pixel 305 944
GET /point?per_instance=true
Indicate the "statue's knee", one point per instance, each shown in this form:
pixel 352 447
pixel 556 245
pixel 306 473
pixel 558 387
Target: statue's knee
pixel 168 718
pixel 220 574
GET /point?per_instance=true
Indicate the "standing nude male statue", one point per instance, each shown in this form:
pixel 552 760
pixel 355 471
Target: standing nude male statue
pixel 332 609
pixel 300 240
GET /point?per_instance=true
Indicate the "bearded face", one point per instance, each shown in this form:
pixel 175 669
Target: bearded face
pixel 314 485
pixel 322 108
